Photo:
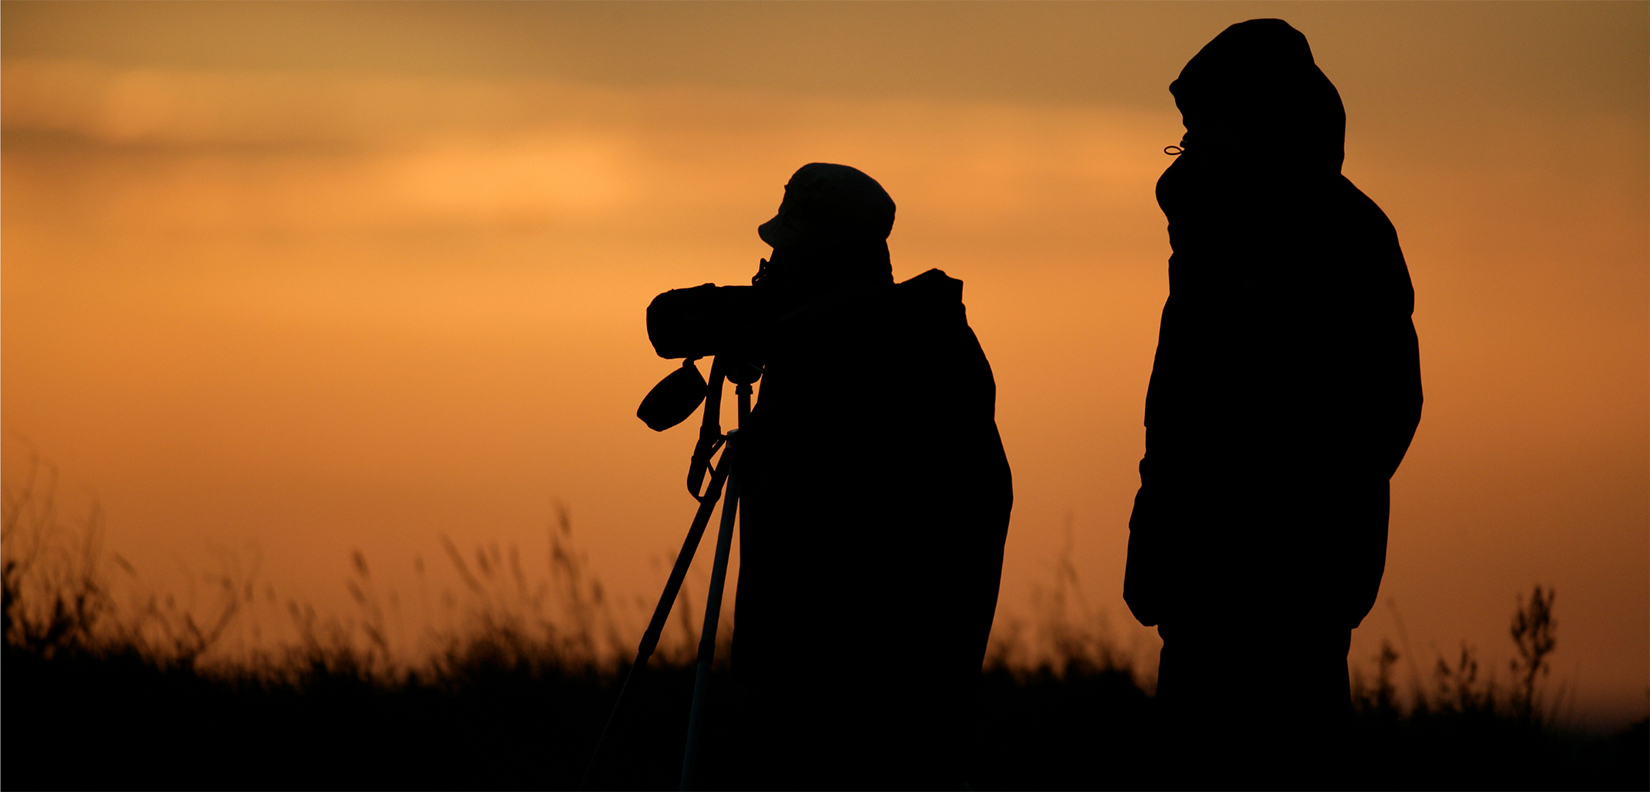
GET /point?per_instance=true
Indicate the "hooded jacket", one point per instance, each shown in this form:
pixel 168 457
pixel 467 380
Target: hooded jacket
pixel 1286 386
pixel 875 503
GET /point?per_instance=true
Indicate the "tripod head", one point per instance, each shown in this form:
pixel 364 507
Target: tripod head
pixel 681 392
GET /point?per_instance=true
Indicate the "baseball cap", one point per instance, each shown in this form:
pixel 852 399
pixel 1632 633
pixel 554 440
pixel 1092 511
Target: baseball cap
pixel 830 204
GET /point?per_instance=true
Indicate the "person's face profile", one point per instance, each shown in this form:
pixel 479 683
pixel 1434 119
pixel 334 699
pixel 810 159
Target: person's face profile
pixel 765 268
pixel 778 269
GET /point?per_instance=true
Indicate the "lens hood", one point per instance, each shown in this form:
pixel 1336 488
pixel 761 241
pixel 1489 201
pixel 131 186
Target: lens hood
pixel 673 399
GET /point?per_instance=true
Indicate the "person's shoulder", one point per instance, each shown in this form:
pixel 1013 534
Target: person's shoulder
pixel 1381 275
pixel 1360 206
pixel 931 294
pixel 874 312
pixel 932 286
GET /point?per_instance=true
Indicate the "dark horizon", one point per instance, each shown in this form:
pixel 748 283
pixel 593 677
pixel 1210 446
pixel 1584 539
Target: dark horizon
pixel 284 283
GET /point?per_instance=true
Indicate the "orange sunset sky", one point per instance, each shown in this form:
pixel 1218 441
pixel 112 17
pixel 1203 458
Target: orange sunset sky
pixel 281 281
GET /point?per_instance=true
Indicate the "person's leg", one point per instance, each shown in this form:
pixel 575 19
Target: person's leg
pixel 1194 712
pixel 1255 707
pixel 1312 718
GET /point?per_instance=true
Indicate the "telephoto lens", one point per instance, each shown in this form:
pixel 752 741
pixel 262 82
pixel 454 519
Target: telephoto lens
pixel 702 321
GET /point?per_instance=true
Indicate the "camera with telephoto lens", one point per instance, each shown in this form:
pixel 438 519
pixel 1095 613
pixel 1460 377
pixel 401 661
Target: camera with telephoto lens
pixel 702 321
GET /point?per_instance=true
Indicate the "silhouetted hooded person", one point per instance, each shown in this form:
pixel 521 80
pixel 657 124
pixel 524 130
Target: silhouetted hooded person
pixel 1285 392
pixel 875 504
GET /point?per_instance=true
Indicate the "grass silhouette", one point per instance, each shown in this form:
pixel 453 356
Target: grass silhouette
pixel 100 695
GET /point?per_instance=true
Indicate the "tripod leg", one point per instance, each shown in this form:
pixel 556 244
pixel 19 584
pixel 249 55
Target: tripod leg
pixel 661 612
pixel 707 638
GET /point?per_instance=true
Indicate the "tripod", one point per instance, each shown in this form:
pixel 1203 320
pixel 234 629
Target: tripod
pixel 711 439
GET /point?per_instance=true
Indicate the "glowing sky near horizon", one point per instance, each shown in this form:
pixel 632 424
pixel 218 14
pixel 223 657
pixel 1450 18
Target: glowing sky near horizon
pixel 283 281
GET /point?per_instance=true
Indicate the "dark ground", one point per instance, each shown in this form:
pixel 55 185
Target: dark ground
pixel 119 721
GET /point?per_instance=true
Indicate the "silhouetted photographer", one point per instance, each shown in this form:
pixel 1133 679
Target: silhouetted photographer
pixel 874 489
pixel 1285 392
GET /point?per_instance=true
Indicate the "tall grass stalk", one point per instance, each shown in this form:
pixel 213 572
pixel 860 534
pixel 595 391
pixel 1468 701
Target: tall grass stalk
pixel 104 691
